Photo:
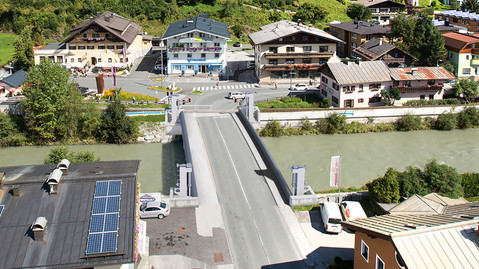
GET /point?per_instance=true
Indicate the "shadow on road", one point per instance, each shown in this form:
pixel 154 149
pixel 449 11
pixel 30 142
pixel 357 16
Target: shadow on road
pixel 147 63
pixel 269 174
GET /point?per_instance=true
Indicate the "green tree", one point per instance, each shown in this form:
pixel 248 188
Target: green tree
pixel 23 56
pixel 334 123
pixel 59 153
pixel 391 96
pixel 443 179
pixel 446 121
pixel 410 182
pixel 466 88
pixel 468 118
pixel 470 184
pixel 115 126
pixel 238 30
pixel 52 103
pixel 402 30
pixel 10 135
pixel 409 122
pixel 310 13
pixel 385 189
pixel 471 5
pixel 358 12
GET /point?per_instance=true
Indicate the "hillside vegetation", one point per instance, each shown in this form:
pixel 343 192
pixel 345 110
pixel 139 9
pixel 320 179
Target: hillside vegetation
pixel 53 19
pixel 6 47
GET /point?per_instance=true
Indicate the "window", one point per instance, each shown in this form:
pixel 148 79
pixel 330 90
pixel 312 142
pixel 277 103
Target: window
pixel 95 35
pixel 217 55
pixel 375 99
pixel 274 62
pixel 466 71
pixel 107 35
pixel 99 59
pixel 335 100
pixel 323 48
pixel 353 45
pixel 400 261
pixel 467 57
pixel 368 37
pixel 431 97
pixel 361 100
pixel 316 38
pixel 349 103
pixel 189 67
pixel 306 60
pixel 126 60
pixel 217 44
pixel 79 60
pixel 72 60
pixel 335 86
pixel 379 263
pixel 289 61
pixel 119 47
pixel 293 38
pixel 85 35
pixel 324 79
pixel 289 49
pixel 175 55
pixel 407 83
pixel 280 39
pixel 111 47
pixel 203 55
pixel 305 37
pixel 101 47
pixel 361 88
pixel 306 48
pixel 374 87
pixel 81 47
pixel 110 60
pixel 324 93
pixel 72 47
pixel 422 97
pixel 354 36
pixel 176 67
pixel 189 55
pixel 273 49
pixel 90 47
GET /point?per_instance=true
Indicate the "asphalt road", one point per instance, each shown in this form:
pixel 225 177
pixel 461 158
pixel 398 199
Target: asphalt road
pixel 255 228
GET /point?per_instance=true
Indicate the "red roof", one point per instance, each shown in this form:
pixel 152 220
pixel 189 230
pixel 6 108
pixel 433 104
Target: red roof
pixel 459 41
pixel 420 73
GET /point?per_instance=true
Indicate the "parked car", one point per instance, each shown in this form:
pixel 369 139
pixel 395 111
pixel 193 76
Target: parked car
pixel 237 44
pixel 158 68
pixel 331 217
pixel 154 210
pixel 237 95
pixel 299 87
pixel 85 91
pixel 352 210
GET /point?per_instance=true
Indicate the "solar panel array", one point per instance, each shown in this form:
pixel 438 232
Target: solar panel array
pixel 1 209
pixel 103 232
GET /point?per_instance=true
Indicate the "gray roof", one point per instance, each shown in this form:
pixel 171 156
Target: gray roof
pixel 199 23
pixel 364 72
pixel 361 27
pixel 284 28
pixel 68 215
pixel 455 247
pixel 16 79
pixel 374 48
pixel 370 3
pixel 117 25
pixel 416 205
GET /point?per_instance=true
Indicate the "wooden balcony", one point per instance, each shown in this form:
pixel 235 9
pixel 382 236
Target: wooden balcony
pixel 299 55
pixel 425 88
pixel 292 67
pixel 390 59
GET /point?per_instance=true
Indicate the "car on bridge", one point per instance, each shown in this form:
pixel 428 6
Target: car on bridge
pixel 154 210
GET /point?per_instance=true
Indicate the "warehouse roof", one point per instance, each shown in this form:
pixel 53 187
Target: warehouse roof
pixel 67 215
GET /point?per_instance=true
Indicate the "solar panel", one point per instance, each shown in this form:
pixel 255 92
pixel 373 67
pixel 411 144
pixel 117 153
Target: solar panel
pixel 101 188
pixel 104 218
pixel 1 209
pixel 109 242
pixel 111 222
pixel 99 205
pixel 94 243
pixel 113 204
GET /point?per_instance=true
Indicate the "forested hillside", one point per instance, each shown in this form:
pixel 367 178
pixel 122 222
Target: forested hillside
pixel 52 19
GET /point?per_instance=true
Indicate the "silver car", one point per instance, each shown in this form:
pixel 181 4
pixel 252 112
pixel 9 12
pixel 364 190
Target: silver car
pixel 154 210
pixel 299 87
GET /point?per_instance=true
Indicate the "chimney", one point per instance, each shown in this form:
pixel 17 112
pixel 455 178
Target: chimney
pixel 16 191
pixel 380 42
pixel 413 70
pixel 63 166
pixel 299 21
pixel 38 228
pixel 446 22
pixel 53 180
pixel 358 60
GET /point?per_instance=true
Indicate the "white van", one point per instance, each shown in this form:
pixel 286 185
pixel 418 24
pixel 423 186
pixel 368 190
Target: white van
pixel 353 210
pixel 237 95
pixel 331 217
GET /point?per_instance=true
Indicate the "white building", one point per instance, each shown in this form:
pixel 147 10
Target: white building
pixel 196 45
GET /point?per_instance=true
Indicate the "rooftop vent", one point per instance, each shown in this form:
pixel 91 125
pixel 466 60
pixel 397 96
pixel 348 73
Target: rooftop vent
pixel 189 21
pixel 54 179
pixel 414 70
pixel 38 228
pixel 415 226
pixel 63 166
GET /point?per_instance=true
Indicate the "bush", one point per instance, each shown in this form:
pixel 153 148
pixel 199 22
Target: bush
pixel 61 152
pixel 272 128
pixel 385 189
pixel 446 122
pixel 383 127
pixel 409 122
pixel 306 125
pixel 470 184
pixel 442 179
pixel 355 127
pixel 434 102
pixel 325 103
pixel 334 123
pixel 10 134
pixel 468 118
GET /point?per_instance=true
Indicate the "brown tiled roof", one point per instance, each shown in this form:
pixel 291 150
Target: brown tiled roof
pixel 458 41
pixel 373 49
pixel 420 73
pixel 117 25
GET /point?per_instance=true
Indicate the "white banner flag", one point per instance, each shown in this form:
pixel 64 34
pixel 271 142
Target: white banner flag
pixel 334 173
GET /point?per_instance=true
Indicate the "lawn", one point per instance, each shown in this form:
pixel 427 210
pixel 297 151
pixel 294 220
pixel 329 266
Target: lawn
pixel 6 48
pixel 312 101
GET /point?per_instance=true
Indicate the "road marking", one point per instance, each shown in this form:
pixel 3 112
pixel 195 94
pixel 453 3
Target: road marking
pixel 243 191
pixel 202 89
pixel 194 88
pixel 228 87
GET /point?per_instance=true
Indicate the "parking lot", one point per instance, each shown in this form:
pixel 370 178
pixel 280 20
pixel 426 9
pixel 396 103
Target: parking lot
pixel 177 235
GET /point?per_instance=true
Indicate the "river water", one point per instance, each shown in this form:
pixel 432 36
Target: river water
pixel 367 156
pixel 364 156
pixel 157 172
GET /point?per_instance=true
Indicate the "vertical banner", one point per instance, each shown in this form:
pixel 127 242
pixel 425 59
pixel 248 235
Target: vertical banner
pixel 124 54
pixel 334 176
pixel 113 76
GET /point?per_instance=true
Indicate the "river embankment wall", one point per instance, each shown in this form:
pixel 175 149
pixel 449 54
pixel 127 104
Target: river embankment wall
pixel 365 115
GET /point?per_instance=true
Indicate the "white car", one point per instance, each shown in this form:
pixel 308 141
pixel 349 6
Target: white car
pixel 353 210
pixel 237 95
pixel 154 210
pixel 299 87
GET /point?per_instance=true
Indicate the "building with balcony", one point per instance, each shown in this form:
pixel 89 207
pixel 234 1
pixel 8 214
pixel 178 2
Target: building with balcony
pixel 354 84
pixel 196 45
pixel 355 33
pixel 383 10
pixel 463 53
pixel 377 49
pixel 420 82
pixel 289 51
pixel 103 41
pixel 465 19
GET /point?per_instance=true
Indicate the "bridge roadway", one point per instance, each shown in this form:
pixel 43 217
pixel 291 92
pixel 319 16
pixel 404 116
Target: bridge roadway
pixel 257 234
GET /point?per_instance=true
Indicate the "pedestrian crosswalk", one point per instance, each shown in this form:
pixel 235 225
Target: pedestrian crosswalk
pixel 224 87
